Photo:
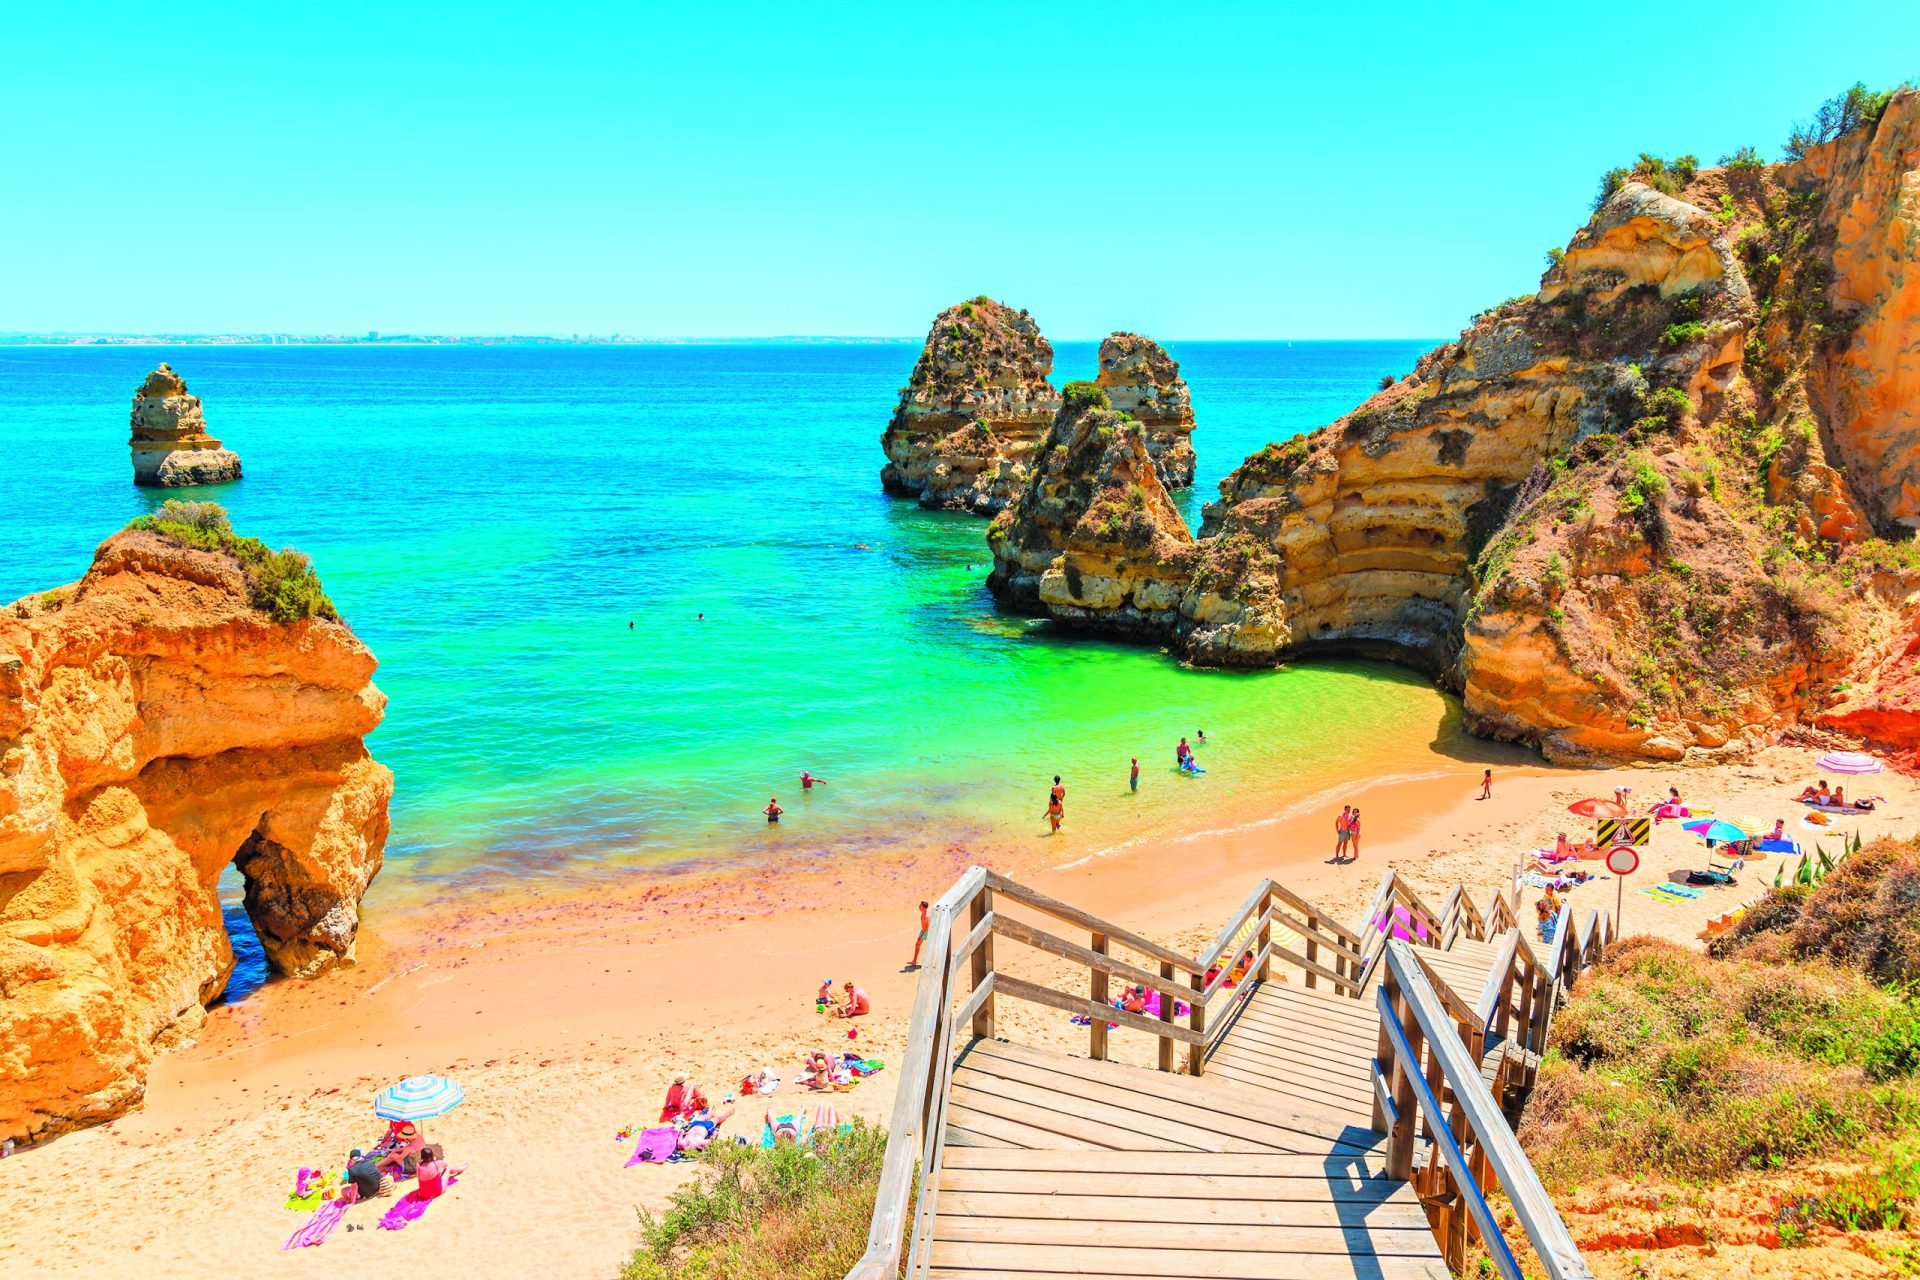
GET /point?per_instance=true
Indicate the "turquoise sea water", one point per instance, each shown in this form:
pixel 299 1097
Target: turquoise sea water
pixel 491 519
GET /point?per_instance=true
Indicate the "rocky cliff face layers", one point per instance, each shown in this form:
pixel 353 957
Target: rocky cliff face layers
pixel 1144 382
pixel 1865 375
pixel 155 726
pixel 1632 516
pixel 974 410
pixel 171 447
pixel 1094 540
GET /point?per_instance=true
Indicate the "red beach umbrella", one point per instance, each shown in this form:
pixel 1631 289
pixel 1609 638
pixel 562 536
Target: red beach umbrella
pixel 1598 809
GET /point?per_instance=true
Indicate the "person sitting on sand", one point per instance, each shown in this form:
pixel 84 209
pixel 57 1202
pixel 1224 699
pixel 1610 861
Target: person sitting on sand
pixel 1816 794
pixel 818 1073
pixel 825 996
pixel 405 1151
pixel 1562 848
pixel 433 1173
pixel 1838 798
pixel 676 1103
pixel 856 1005
pixel 1779 831
pixel 1133 1000
pixel 1587 848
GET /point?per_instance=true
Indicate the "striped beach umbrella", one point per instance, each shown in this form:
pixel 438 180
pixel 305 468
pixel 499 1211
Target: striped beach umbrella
pixel 1715 830
pixel 418 1098
pixel 1849 762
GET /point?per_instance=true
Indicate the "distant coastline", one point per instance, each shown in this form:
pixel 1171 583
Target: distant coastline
pixel 377 339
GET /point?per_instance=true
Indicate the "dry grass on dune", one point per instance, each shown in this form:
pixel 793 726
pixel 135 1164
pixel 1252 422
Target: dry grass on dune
pixel 786 1213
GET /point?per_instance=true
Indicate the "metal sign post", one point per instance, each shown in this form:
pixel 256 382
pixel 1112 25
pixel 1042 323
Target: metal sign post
pixel 1623 861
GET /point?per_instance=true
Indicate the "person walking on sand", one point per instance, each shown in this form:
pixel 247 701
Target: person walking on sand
pixel 1341 834
pixel 1486 785
pixel 773 810
pixel 920 941
pixel 807 780
pixel 1133 774
pixel 1353 836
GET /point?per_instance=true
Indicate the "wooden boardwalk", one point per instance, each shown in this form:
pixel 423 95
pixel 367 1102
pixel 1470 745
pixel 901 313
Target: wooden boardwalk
pixel 1063 1166
pixel 1346 1130
pixel 1316 1048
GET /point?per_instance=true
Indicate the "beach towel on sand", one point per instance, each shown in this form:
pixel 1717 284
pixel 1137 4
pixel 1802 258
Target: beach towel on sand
pixel 655 1145
pixel 411 1205
pixel 318 1227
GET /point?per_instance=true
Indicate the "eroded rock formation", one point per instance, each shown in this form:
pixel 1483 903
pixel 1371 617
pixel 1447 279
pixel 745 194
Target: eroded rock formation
pixel 171 447
pixel 1144 382
pixel 1094 539
pixel 155 726
pixel 1639 514
pixel 974 410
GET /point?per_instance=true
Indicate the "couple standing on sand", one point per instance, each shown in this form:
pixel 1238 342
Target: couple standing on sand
pixel 1346 835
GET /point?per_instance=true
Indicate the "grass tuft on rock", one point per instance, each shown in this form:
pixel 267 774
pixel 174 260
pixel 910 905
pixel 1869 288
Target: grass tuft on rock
pixel 281 584
pixel 750 1213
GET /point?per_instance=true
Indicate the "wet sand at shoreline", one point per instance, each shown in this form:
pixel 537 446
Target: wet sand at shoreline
pixel 565 1016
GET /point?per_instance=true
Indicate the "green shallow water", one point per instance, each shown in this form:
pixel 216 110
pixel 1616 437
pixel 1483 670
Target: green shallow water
pixel 491 519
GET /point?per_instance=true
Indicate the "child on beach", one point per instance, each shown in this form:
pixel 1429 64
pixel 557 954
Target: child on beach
pixel 1054 811
pixel 920 941
pixel 1486 785
pixel 825 997
pixel 1133 774
pixel 1200 737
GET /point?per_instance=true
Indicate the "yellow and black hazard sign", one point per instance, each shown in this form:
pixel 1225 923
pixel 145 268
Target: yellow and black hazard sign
pixel 1624 831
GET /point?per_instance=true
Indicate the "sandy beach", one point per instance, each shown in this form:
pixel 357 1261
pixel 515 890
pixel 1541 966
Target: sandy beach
pixel 565 1016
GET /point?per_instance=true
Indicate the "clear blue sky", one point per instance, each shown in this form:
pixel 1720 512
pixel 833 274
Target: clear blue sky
pixel 1193 171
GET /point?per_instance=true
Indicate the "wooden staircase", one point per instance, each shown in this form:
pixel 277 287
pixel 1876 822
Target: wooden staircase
pixel 1341 1118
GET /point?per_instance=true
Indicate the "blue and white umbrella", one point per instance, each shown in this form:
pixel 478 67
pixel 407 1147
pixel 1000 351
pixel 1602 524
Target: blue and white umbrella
pixel 418 1098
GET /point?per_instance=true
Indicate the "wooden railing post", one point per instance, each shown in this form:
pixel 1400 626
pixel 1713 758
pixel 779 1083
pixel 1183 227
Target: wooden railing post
pixel 1197 1020
pixel 1097 1031
pixel 982 963
pixel 1166 1015
pixel 1313 951
pixel 1406 1122
pixel 1264 943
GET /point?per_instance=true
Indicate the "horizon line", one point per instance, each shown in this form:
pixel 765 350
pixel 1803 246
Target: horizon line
pixel 17 338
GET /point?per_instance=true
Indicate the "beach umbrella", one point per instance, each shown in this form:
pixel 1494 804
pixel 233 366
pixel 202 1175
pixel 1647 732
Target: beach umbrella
pixel 1849 762
pixel 1715 830
pixel 418 1098
pixel 1598 809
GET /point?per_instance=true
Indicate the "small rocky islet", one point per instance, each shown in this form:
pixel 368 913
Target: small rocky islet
pixel 171 447
pixel 1659 509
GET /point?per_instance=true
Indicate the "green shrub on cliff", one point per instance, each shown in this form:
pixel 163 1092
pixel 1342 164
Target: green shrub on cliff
pixel 1856 108
pixel 281 584
pixel 1085 395
pixel 789 1213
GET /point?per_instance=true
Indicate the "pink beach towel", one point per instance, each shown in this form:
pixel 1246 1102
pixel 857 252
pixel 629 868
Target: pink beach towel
pixel 411 1205
pixel 318 1227
pixel 655 1145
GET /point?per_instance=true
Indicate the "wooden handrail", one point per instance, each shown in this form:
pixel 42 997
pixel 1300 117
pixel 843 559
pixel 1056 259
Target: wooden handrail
pixel 1073 915
pixel 1473 1147
pixel 1255 903
pixel 923 1075
pixel 1306 908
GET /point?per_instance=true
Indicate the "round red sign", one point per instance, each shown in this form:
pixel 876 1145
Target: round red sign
pixel 1622 860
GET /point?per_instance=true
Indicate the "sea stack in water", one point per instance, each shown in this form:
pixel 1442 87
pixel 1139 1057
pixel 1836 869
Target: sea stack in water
pixel 1094 539
pixel 156 724
pixel 974 410
pixel 171 447
pixel 1143 381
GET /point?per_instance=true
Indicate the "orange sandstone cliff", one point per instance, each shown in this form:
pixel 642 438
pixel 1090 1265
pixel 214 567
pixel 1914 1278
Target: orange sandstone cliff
pixel 1658 509
pixel 170 444
pixel 156 725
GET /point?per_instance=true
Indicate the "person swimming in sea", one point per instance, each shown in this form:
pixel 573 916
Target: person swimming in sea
pixel 807 780
pixel 1200 737
pixel 773 810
